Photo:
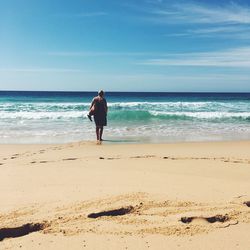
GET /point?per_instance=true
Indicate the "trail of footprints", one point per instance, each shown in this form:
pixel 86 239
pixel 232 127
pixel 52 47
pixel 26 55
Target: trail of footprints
pixel 39 152
pixel 223 159
pixel 42 151
pixel 32 154
pixel 130 214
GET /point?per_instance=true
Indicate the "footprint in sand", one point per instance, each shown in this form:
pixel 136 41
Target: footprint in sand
pixel 200 219
pixel 21 231
pixel 14 156
pixel 171 158
pixel 247 203
pixel 70 159
pixel 109 158
pixel 114 212
pixel 142 156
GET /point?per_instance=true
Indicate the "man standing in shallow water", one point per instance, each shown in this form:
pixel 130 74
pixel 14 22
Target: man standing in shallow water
pixel 99 109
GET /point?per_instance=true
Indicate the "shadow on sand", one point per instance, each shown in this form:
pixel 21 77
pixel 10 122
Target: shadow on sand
pixel 121 141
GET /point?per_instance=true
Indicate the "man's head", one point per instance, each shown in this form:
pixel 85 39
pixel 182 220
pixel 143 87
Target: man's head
pixel 101 93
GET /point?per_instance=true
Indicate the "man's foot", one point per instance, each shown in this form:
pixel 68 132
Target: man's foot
pixel 89 117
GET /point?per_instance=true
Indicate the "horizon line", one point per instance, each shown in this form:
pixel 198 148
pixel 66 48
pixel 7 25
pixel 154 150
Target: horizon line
pixel 117 91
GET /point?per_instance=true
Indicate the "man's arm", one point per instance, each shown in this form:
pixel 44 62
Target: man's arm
pixel 106 107
pixel 92 103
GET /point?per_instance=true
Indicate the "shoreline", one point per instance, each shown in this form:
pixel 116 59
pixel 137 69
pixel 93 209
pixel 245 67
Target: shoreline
pixel 116 141
pixel 157 185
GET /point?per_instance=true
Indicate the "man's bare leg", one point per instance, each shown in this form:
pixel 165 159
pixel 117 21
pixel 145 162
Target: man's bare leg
pixel 97 133
pixel 101 132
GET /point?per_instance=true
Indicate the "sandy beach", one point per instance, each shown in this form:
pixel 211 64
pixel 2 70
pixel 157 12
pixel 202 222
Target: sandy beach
pixel 126 196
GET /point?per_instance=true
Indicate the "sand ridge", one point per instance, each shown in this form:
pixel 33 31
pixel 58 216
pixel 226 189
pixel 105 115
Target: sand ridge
pixel 133 214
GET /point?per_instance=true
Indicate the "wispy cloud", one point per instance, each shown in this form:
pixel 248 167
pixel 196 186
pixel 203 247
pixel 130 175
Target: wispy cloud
pixel 239 58
pixel 220 20
pixel 41 70
pixel 82 14
pixel 197 13
pixel 98 54
pixel 237 32
pixel 219 29
pixel 92 14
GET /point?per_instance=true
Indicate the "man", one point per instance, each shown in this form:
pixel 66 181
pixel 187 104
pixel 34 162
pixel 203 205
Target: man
pixel 99 109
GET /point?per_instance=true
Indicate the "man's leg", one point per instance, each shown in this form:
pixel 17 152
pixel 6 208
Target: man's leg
pixel 101 131
pixel 97 133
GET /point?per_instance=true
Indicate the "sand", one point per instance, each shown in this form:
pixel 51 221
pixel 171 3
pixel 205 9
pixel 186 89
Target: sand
pixel 155 196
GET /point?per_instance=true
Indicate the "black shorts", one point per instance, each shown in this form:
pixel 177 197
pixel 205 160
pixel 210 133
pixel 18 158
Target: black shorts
pixel 100 120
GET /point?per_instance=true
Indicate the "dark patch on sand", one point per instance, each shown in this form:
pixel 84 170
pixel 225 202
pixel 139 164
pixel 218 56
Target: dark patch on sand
pixel 213 219
pixel 142 156
pixel 70 159
pixel 247 203
pixel 25 229
pixel 115 212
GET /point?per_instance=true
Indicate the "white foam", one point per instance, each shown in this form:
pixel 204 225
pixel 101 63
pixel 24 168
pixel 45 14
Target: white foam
pixel 43 115
pixel 203 115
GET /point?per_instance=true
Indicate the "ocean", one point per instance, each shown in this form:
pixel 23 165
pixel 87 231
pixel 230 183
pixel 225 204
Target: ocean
pixel 133 117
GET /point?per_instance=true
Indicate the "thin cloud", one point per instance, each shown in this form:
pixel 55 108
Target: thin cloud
pixel 236 32
pixel 82 14
pixel 98 54
pixel 41 70
pixel 91 14
pixel 222 20
pixel 220 29
pixel 238 58
pixel 194 13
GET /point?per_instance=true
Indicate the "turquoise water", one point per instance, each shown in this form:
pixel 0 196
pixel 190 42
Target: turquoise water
pixel 58 117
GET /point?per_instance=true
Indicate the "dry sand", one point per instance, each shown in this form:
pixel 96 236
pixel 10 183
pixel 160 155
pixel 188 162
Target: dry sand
pixel 157 196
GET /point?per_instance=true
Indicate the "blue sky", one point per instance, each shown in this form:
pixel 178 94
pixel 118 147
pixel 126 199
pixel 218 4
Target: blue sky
pixel 133 45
